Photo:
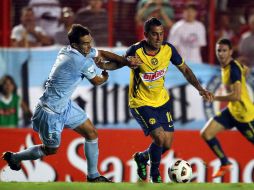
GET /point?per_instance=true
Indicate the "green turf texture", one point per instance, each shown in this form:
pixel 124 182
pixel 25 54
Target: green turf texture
pixel 123 186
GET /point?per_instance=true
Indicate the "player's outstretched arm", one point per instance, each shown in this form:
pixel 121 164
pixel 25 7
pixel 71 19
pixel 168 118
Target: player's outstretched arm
pixel 110 61
pixel 191 78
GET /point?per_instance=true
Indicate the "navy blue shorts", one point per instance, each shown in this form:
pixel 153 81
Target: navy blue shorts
pixel 150 118
pixel 226 119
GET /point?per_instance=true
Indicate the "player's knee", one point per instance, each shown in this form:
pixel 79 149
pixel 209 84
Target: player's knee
pixel 91 134
pixel 49 150
pixel 167 144
pixel 204 134
pixel 159 140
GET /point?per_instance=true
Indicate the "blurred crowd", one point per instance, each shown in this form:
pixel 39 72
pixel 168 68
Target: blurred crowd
pixel 46 22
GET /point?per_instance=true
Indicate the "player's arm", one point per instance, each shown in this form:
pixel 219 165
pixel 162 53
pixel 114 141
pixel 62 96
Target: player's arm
pixel 99 79
pixel 110 61
pixel 234 95
pixel 178 61
pixel 107 65
pixel 235 87
pixel 191 78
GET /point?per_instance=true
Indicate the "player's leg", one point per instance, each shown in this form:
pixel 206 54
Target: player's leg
pixel 168 128
pixel 167 123
pixel 219 123
pixel 162 138
pixel 168 141
pixel 159 137
pixel 208 133
pixel 141 158
pixel 247 130
pixel 42 122
pixel 89 132
pixel 153 121
pixel 79 122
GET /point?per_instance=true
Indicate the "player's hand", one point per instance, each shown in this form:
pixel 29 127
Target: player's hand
pixel 134 61
pixel 105 75
pixel 208 96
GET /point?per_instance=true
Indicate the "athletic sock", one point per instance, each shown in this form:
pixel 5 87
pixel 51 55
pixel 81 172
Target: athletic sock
pixel 92 153
pixel 217 149
pixel 31 153
pixel 155 152
pixel 144 156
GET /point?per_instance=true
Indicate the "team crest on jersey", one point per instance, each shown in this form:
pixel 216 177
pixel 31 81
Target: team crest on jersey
pixel 154 61
pixel 152 121
pixel 149 77
pixel 215 86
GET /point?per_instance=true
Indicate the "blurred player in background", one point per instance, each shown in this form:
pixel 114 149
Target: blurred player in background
pixel 149 99
pixel 56 110
pixel 240 111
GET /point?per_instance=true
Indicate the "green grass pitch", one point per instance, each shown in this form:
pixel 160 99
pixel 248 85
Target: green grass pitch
pixel 122 186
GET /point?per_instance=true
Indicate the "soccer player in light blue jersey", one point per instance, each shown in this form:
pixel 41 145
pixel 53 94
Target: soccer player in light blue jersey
pixel 56 111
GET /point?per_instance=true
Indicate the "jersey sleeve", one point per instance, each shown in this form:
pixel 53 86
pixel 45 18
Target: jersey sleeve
pixel 89 70
pixel 235 73
pixel 131 51
pixel 93 53
pixel 176 59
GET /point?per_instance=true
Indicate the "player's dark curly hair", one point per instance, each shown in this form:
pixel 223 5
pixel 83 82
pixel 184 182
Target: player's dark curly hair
pixel 3 81
pixel 77 31
pixel 225 41
pixel 151 22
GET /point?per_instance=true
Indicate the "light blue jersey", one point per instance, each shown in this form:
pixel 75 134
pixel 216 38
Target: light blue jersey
pixel 56 110
pixel 68 71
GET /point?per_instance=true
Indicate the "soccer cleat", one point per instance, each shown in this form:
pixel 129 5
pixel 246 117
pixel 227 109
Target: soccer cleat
pixel 141 167
pixel 99 179
pixel 222 170
pixel 13 165
pixel 156 179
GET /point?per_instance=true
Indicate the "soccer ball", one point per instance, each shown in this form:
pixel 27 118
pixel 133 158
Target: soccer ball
pixel 180 171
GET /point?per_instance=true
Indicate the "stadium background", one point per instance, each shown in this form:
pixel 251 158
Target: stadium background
pixel 107 105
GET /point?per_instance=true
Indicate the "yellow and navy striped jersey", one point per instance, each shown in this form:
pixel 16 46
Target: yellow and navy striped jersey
pixel 147 81
pixel 243 110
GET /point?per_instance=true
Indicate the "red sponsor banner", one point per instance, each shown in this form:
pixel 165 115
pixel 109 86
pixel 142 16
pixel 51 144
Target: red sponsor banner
pixel 115 158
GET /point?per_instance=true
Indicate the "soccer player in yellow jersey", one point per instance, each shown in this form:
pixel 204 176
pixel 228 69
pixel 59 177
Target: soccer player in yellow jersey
pixel 148 97
pixel 240 111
